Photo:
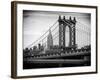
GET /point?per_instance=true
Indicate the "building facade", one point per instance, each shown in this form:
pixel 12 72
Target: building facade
pixel 49 40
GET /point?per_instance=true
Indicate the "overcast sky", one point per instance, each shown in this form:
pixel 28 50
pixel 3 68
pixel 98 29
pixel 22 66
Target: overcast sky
pixel 36 23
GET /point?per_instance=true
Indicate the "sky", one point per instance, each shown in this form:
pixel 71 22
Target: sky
pixel 36 23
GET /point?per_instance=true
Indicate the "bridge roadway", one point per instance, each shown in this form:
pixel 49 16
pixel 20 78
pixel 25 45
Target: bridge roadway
pixel 59 55
pixel 62 61
pixel 56 60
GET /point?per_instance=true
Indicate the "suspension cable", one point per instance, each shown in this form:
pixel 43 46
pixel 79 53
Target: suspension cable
pixel 42 35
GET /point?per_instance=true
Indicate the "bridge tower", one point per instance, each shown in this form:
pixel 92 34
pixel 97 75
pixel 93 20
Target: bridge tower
pixel 61 32
pixel 63 23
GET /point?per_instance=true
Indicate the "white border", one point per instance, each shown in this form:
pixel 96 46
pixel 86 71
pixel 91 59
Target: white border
pixel 31 72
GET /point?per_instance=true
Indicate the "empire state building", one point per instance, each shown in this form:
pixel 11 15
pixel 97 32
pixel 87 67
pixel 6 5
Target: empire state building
pixel 49 40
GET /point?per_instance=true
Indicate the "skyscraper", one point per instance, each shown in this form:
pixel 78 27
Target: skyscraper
pixel 49 40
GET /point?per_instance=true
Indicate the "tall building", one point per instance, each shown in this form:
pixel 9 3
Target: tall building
pixel 49 40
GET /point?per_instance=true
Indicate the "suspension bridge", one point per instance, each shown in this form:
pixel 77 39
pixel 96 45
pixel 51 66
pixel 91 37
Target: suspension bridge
pixel 58 46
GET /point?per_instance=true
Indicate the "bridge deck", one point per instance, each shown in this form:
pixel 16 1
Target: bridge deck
pixel 71 61
pixel 55 55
